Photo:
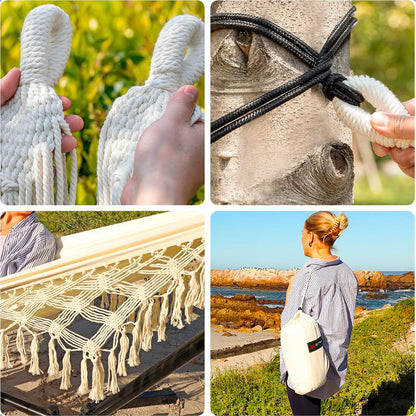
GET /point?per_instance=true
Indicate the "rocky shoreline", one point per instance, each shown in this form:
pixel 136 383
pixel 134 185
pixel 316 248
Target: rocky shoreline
pixel 247 313
pixel 244 311
pixel 272 279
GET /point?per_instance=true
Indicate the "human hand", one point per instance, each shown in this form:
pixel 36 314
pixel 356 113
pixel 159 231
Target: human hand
pixel 397 127
pixel 8 87
pixel 169 158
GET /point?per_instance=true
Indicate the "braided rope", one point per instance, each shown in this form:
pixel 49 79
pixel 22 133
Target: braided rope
pixel 32 122
pixel 358 120
pixel 132 113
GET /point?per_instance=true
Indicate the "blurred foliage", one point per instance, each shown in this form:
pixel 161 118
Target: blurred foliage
pixel 112 47
pixel 397 190
pixel 382 46
pixel 61 223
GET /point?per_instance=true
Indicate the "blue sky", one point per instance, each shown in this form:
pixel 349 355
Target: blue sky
pixel 373 240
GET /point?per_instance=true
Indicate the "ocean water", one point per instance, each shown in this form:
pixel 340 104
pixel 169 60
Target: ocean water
pixel 392 297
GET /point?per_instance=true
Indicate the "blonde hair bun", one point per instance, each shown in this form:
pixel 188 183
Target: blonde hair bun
pixel 327 225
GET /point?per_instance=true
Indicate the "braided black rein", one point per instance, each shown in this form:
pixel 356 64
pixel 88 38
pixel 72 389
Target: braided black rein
pixel 320 72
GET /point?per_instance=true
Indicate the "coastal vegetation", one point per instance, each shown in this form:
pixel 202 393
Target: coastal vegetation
pixel 380 374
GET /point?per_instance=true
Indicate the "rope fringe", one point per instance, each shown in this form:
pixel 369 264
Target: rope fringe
pixel 53 359
pixel 83 387
pixel 20 346
pixel 66 371
pixel 34 368
pixel 97 388
pixel 124 348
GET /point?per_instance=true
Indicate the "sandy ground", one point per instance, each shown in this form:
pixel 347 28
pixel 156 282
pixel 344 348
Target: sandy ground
pixel 219 341
pixel 187 382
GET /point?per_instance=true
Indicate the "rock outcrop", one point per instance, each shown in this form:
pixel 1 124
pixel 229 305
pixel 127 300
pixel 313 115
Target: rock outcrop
pixel 369 280
pixel 244 311
pixel 273 279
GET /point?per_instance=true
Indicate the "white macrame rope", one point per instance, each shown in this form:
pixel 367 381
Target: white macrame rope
pixel 132 113
pixel 382 99
pixel 32 122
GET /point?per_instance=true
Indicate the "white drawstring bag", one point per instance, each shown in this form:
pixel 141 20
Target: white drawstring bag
pixel 305 358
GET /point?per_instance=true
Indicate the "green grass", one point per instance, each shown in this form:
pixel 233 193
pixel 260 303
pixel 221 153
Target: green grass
pixel 61 223
pixel 380 378
pixel 396 190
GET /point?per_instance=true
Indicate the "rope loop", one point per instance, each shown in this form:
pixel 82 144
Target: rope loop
pixel 170 66
pixel 382 99
pixel 45 45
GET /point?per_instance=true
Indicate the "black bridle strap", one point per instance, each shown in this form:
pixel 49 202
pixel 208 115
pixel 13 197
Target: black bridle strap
pixel 320 72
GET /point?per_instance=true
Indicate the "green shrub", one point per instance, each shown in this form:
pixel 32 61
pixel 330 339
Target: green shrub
pixel 379 381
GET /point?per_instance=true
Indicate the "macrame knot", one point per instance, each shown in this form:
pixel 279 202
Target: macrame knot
pixel 7 184
pixel 334 86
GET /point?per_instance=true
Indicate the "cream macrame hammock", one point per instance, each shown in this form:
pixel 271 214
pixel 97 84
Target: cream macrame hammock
pixel 132 277
pixel 33 168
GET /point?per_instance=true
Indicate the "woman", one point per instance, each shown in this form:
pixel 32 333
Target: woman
pixel 24 243
pixel 330 300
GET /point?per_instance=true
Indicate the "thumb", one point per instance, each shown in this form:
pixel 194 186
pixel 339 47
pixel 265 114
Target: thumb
pixel 182 104
pixel 394 126
pixel 9 84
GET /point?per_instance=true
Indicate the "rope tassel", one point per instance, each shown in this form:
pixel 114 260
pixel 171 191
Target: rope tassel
pixel 66 371
pixel 4 353
pixel 191 298
pixel 97 388
pixel 53 368
pixel 83 387
pixel 20 346
pixel 134 353
pixel 163 320
pixel 176 319
pixel 112 384
pixel 147 331
pixel 34 368
pixel 124 348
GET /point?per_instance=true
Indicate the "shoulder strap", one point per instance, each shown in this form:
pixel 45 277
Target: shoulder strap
pixel 306 288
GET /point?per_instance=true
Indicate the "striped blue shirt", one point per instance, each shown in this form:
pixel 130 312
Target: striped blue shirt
pixel 330 300
pixel 28 244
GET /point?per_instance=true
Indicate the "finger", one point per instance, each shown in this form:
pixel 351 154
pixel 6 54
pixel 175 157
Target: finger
pixel 68 143
pixel 410 106
pixel 75 123
pixel 405 158
pixel 394 126
pixel 9 84
pixel 66 103
pixel 380 150
pixel 182 104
